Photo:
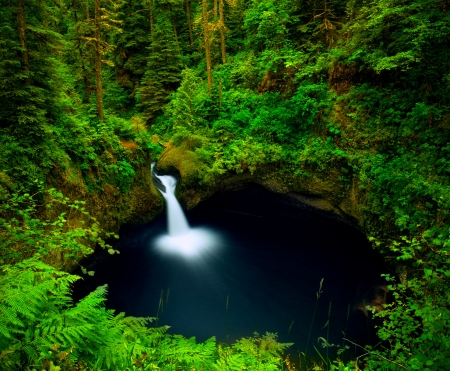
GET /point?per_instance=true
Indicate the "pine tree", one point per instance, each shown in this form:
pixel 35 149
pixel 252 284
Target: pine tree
pixel 95 35
pixel 163 72
pixel 132 45
pixel 79 19
pixel 186 108
pixel 28 47
pixel 168 9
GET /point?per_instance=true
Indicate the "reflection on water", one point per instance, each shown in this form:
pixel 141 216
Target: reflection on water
pixel 236 274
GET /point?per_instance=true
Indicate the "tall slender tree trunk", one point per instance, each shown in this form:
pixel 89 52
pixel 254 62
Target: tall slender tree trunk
pixel 188 12
pixel 82 57
pixel 220 93
pixel 207 45
pixel 215 10
pixel 152 19
pixel 444 7
pixel 85 78
pixel 174 28
pixel 222 32
pixel 21 25
pixel 98 62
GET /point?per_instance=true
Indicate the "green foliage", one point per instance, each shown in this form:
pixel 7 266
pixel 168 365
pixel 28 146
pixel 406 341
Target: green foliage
pixel 186 107
pixel 27 91
pixel 40 328
pixel 253 353
pixel 400 35
pixel 416 326
pixel 162 73
pixel 266 24
pixel 358 87
pixel 24 233
pixel 132 44
pixel 124 174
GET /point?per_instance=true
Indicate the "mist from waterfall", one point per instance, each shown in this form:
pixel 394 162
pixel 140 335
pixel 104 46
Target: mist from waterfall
pixel 181 238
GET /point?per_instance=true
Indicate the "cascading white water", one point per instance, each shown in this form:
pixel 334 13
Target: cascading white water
pixel 181 239
pixel 176 221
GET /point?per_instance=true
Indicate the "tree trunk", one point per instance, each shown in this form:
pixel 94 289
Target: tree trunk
pixel 207 45
pixel 152 19
pixel 85 78
pixel 188 11
pixel 98 62
pixel 222 32
pixel 21 25
pixel 220 93
pixel 215 10
pixel 174 29
pixel 83 68
pixel 444 7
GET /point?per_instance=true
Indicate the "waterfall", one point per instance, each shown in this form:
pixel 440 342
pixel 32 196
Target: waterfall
pixel 181 239
pixel 176 220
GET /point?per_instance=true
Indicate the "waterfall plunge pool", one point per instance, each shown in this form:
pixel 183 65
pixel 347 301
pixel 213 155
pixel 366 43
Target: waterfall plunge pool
pixel 260 271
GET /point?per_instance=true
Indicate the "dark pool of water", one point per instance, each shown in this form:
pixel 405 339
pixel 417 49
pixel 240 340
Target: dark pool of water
pixel 263 275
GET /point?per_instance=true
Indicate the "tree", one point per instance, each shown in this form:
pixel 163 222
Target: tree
pixel 328 23
pixel 186 107
pixel 22 36
pixel 77 33
pixel 162 74
pixel 188 13
pixel 98 62
pixel 132 45
pixel 222 29
pixel 152 18
pixel 207 43
pixel 105 19
pixel 28 69
pixel 167 9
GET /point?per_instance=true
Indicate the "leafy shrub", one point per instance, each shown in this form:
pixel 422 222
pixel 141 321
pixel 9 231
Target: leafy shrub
pixel 24 233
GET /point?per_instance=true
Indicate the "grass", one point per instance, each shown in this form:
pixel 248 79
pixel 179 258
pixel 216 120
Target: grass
pixel 318 293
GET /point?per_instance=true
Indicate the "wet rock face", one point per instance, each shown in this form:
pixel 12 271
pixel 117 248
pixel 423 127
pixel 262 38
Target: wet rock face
pixel 323 192
pixel 373 298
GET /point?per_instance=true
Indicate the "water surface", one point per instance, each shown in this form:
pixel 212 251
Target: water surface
pixel 260 274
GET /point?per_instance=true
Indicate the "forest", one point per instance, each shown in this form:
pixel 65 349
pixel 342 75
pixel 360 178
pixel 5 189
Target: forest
pixel 92 91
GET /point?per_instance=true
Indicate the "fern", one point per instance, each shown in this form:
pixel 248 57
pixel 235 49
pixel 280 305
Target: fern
pixel 262 353
pixel 41 328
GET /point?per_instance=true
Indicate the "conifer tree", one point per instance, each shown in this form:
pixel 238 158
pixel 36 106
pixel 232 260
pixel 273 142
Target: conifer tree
pixel 79 19
pixel 132 45
pixel 175 32
pixel 163 71
pixel 22 36
pixel 95 36
pixel 27 69
pixel 168 9
pixel 152 18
